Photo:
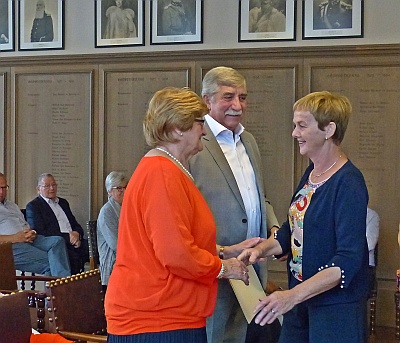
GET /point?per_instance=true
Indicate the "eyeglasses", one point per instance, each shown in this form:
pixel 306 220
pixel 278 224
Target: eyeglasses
pixel 4 187
pixel 53 185
pixel 119 188
pixel 201 121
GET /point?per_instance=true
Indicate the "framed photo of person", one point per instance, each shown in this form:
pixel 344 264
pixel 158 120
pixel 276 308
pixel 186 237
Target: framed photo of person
pixel 119 23
pixel 176 21
pixel 6 25
pixel 267 20
pixel 41 24
pixel 333 19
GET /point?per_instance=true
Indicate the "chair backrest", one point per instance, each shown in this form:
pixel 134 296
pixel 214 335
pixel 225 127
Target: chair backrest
pixel 15 323
pixel 91 229
pixel 76 304
pixel 8 280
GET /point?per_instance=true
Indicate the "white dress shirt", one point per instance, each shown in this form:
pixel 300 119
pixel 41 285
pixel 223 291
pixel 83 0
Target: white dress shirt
pixel 239 162
pixel 63 222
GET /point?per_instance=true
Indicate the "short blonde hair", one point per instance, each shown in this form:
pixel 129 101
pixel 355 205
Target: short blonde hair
pixel 327 107
pixel 171 108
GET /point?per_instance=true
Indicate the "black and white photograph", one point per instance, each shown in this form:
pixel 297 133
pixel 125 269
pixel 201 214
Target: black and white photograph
pixel 6 25
pixel 119 23
pixel 332 19
pixel 264 20
pixel 41 24
pixel 176 21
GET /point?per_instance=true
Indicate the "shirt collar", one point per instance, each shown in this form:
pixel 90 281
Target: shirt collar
pixel 216 128
pixel 50 201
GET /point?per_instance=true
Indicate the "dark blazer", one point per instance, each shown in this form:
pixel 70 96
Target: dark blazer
pixel 42 219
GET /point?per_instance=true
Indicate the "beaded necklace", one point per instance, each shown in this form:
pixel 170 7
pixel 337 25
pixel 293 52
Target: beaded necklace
pixel 177 161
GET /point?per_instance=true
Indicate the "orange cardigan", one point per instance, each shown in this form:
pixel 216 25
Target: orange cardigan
pixel 165 273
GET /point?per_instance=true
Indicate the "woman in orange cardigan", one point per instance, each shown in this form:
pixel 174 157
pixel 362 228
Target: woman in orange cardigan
pixel 164 282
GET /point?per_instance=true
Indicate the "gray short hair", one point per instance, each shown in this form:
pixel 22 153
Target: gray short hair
pixel 221 76
pixel 43 176
pixel 114 179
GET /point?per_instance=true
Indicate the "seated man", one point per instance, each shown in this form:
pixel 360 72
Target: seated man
pixel 32 253
pixel 50 215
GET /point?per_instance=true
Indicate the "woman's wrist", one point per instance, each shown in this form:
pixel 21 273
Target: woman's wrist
pixel 221 272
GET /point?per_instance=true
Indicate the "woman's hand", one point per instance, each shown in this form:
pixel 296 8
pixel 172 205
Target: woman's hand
pixel 270 307
pixel 251 256
pixel 234 250
pixel 235 269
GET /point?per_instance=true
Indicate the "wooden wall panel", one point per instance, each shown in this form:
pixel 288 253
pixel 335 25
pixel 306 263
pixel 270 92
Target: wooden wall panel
pixel 127 94
pixel 53 134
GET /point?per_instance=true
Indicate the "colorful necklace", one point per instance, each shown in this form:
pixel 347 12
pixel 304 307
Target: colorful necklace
pixel 177 161
pixel 329 168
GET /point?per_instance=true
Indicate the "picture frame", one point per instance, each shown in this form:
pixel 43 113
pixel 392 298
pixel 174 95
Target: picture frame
pixel 167 26
pixel 41 24
pixel 7 25
pixel 345 21
pixel 254 26
pixel 119 23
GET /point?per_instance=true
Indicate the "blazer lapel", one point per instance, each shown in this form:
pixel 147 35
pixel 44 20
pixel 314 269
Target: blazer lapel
pixel 212 146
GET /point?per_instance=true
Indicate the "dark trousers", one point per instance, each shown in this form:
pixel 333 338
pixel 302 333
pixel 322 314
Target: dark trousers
pixel 77 256
pixel 174 336
pixel 263 334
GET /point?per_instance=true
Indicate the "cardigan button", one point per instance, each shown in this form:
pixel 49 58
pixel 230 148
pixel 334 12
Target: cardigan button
pixel 244 221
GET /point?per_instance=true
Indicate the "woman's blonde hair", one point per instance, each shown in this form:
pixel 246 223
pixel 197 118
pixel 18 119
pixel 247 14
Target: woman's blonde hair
pixel 171 108
pixel 327 107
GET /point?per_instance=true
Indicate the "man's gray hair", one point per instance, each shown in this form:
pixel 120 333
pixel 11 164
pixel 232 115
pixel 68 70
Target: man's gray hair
pixel 221 76
pixel 42 176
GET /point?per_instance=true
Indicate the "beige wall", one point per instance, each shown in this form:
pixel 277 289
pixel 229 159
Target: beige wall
pixel 220 29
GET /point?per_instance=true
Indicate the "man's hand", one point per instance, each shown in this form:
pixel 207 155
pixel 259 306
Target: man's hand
pixel 74 239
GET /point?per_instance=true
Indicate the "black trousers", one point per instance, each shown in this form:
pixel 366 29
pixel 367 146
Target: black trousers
pixel 77 256
pixel 263 334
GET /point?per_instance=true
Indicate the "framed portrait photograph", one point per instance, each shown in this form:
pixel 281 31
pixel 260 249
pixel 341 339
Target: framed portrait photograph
pixel 6 25
pixel 267 20
pixel 119 23
pixel 176 21
pixel 41 24
pixel 333 19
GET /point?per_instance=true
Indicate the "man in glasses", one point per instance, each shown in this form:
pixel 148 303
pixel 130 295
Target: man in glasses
pixel 32 252
pixel 51 215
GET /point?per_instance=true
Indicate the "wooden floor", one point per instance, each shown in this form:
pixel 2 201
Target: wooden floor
pixel 383 335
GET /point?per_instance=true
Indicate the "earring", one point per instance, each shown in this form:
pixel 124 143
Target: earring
pixel 326 138
pixel 181 134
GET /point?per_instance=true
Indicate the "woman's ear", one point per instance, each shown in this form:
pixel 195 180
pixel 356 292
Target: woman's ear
pixel 330 130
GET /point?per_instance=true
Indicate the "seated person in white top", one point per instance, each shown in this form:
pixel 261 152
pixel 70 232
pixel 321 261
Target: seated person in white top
pixel 32 252
pixel 372 234
pixel 50 215
pixel 372 241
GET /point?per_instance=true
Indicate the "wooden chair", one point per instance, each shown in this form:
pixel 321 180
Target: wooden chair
pixel 91 230
pixel 9 280
pixel 76 307
pixel 15 323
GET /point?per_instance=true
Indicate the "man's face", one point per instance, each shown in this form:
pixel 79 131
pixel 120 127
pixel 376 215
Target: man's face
pixel 227 106
pixel 48 187
pixel 3 189
pixel 266 5
pixel 40 6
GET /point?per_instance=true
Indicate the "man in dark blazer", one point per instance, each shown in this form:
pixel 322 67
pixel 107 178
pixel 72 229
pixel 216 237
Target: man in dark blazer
pixel 50 215
pixel 228 173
